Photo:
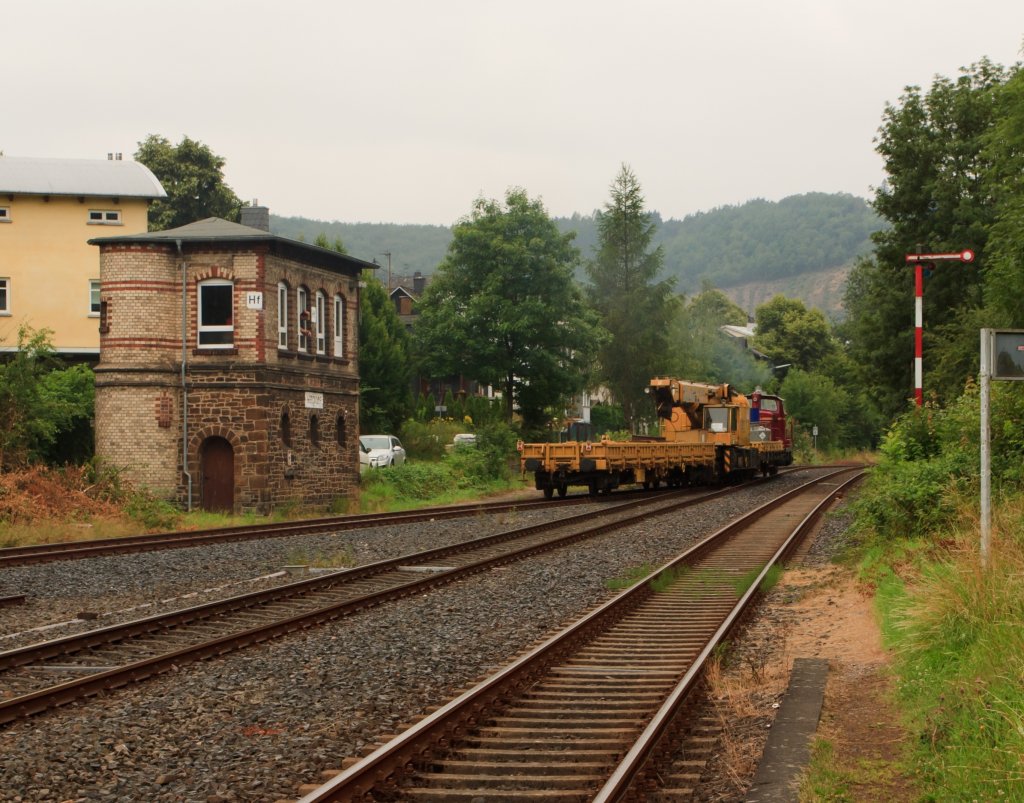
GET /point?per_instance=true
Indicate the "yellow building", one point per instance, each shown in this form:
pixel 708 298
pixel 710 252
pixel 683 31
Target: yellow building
pixel 49 274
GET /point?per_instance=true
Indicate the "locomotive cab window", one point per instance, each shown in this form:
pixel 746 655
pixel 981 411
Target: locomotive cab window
pixel 769 405
pixel 718 419
pixel 216 323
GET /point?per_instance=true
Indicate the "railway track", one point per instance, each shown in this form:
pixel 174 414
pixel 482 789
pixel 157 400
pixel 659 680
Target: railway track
pixel 585 716
pixel 75 550
pixel 39 677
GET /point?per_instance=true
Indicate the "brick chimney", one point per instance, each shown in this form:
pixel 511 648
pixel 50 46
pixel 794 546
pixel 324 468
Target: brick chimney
pixel 257 217
pixel 419 283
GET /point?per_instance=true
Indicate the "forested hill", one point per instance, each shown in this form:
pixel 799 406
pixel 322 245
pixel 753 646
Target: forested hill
pixel 761 240
pixel 755 242
pixel 413 247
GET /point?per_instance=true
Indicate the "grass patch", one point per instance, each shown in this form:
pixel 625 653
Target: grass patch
pixel 825 781
pixel 771 579
pixel 460 476
pixel 959 643
pixel 668 577
pixel 338 559
pixel 956 634
pixel 93 501
pixel 630 578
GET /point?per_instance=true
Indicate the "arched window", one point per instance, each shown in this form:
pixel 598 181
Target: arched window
pixel 215 314
pixel 282 315
pixel 286 428
pixel 321 322
pixel 339 326
pixel 339 430
pixel 304 317
pixel 314 429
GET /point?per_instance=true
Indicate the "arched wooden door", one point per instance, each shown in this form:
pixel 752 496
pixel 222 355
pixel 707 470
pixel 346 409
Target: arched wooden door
pixel 217 460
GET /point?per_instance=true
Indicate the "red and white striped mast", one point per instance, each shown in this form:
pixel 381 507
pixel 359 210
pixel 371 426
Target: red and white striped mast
pixel 919 261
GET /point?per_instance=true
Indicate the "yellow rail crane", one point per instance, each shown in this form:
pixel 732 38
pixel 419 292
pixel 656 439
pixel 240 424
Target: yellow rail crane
pixel 706 436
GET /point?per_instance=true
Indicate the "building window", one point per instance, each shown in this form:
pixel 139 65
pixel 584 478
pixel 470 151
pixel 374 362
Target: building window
pixel 320 319
pixel 5 296
pixel 104 317
pixel 339 430
pixel 5 214
pixel 105 217
pixel 282 315
pixel 216 327
pixel 314 430
pixel 94 297
pixel 304 318
pixel 339 326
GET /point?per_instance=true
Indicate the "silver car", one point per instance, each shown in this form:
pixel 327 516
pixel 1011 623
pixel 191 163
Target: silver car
pixel 380 451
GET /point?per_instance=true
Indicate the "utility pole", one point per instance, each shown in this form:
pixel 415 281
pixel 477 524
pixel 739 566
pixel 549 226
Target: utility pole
pixel 1002 358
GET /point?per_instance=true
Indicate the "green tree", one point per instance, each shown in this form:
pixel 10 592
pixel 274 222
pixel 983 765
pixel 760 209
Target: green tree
pixel 503 308
pixel 1004 147
pixel 192 176
pixel 700 350
pixel 937 196
pixel 813 400
pixel 788 332
pixel 321 241
pixel 635 308
pixel 48 410
pixel 385 368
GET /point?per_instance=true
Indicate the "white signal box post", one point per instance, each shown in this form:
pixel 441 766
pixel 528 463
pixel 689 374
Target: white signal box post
pixel 1002 358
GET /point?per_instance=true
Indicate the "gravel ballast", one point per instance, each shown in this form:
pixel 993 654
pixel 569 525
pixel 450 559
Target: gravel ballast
pixel 255 724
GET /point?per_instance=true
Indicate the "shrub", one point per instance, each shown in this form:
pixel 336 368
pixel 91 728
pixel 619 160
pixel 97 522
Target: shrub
pixel 428 440
pixel 152 513
pixel 47 408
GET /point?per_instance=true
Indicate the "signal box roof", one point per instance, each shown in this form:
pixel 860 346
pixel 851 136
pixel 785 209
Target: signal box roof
pixel 217 231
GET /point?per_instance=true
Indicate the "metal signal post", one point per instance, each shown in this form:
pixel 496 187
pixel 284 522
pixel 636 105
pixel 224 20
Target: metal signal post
pixel 919 261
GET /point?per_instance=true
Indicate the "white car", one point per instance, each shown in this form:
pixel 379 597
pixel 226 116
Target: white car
pixel 379 451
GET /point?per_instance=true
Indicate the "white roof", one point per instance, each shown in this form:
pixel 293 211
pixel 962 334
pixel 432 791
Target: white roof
pixel 739 331
pixel 106 177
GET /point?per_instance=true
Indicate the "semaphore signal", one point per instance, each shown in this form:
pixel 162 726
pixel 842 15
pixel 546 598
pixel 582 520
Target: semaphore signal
pixel 920 261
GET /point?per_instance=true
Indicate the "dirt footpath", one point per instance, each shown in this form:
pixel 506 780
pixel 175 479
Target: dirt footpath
pixel 816 611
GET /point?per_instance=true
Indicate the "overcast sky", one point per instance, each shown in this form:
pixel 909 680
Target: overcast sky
pixel 405 112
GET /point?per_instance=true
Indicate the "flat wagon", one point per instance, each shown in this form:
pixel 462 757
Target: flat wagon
pixel 708 434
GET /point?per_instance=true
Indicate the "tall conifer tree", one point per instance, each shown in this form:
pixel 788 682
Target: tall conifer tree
pixel 634 306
